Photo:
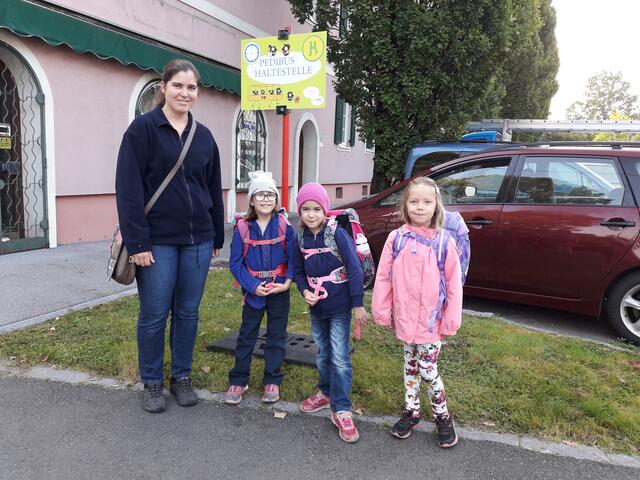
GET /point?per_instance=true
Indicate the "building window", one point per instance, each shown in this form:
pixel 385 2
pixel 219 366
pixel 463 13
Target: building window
pixel 365 190
pixel 338 192
pixel 251 144
pixel 345 125
pixel 147 98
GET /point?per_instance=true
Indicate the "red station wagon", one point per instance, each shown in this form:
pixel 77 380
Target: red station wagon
pixel 550 226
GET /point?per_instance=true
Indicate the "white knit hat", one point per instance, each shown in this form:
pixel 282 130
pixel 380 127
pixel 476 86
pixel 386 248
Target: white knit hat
pixel 262 182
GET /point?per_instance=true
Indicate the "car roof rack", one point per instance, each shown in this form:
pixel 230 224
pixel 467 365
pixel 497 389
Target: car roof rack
pixel 509 125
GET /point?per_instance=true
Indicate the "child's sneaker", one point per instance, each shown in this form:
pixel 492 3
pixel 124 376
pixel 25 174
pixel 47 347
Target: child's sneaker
pixel 271 393
pixel 315 402
pixel 344 421
pixel 234 394
pixel 446 433
pixel 408 421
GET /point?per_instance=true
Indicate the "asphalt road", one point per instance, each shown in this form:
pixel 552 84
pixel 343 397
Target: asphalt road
pixel 555 321
pixel 56 430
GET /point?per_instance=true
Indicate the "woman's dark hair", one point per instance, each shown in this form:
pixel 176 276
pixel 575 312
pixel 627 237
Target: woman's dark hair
pixel 170 70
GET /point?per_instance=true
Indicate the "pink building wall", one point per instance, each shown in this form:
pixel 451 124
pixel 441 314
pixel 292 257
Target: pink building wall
pixel 93 96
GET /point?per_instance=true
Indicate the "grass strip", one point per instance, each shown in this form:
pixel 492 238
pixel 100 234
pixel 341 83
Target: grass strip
pixel 498 376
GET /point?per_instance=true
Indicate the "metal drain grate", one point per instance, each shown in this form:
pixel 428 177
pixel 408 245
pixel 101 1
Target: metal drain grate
pixel 300 349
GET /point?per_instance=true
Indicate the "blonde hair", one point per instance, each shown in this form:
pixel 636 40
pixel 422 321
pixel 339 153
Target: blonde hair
pixel 437 221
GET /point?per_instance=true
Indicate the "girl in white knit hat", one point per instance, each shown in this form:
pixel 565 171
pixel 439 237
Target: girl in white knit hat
pixel 261 260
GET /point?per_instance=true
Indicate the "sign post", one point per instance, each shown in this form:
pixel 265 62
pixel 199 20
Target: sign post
pixel 284 73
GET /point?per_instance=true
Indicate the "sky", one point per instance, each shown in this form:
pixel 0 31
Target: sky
pixel 594 35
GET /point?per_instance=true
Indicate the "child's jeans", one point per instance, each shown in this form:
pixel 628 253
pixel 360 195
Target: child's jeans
pixel 331 334
pixel 421 362
pixel 277 308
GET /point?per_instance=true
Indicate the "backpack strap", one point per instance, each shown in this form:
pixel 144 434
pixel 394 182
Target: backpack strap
pixel 339 275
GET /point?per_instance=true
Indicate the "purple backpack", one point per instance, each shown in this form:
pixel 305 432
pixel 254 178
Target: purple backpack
pixel 455 228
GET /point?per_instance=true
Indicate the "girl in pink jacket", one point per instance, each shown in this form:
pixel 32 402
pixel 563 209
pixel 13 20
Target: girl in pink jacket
pixel 422 304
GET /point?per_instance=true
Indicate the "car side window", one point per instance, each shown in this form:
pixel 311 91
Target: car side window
pixel 570 181
pixel 475 183
pixel 391 200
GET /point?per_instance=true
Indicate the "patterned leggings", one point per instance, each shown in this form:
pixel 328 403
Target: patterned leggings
pixel 421 361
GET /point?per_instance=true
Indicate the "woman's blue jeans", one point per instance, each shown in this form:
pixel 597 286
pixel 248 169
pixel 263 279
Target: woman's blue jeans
pixel 174 283
pixel 331 334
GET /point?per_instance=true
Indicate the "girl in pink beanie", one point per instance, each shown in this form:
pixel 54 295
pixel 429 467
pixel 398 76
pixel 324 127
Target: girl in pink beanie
pixel 332 285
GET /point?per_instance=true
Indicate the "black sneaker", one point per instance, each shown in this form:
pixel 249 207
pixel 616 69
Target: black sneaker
pixel 446 433
pixel 407 422
pixel 153 398
pixel 182 389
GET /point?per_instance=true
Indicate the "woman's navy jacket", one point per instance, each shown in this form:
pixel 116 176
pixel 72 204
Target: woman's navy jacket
pixel 190 209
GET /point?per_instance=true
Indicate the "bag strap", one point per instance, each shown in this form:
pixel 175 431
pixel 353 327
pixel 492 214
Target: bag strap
pixel 174 170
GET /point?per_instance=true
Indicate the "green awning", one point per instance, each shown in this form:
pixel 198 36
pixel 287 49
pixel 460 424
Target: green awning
pixel 85 35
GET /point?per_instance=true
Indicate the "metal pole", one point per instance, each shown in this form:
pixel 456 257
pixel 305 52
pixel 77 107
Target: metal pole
pixel 285 160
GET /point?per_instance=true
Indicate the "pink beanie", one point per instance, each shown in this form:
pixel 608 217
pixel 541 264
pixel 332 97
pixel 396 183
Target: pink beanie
pixel 313 191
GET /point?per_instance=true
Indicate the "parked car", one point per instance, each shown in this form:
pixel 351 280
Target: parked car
pixel 424 156
pixel 550 226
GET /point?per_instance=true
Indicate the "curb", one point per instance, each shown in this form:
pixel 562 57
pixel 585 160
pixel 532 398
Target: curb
pixel 28 322
pixel 534 444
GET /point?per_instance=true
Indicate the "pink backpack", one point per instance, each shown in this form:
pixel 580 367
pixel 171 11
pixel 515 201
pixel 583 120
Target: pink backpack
pixel 243 229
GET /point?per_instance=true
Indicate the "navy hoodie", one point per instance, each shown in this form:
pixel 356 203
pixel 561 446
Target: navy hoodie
pixel 190 209
pixel 342 297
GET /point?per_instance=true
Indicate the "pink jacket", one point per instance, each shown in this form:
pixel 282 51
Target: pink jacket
pixel 407 298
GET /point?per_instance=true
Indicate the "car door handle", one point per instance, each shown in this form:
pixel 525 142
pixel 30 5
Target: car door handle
pixel 618 223
pixel 479 221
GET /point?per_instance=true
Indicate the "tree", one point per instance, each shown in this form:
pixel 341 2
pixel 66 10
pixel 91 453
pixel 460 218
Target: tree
pixel 412 70
pixel 531 65
pixel 416 70
pixel 607 93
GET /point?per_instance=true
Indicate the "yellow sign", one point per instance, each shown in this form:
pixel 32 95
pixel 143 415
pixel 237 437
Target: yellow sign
pixel 5 143
pixel 288 72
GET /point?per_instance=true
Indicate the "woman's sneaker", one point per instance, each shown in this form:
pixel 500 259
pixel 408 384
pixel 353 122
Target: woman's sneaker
pixel 446 433
pixel 153 398
pixel 271 393
pixel 234 394
pixel 344 421
pixel 315 402
pixel 183 390
pixel 403 427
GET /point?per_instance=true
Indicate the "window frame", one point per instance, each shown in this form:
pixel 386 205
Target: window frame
pixel 627 199
pixel 260 157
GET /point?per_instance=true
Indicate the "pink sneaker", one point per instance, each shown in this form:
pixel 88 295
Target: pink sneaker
pixel 271 393
pixel 344 421
pixel 315 402
pixel 234 394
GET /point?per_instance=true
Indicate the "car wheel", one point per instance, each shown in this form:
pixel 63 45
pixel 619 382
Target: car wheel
pixel 623 307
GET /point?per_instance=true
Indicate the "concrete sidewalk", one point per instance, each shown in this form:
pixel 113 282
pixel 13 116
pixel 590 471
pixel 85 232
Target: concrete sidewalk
pixel 40 285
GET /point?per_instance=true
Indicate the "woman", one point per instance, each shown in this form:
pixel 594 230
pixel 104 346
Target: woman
pixel 172 244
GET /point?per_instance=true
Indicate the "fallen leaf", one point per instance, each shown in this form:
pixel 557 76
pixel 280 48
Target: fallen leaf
pixel 358 411
pixel 45 359
pixel 279 414
pixel 635 364
pixel 622 380
pixel 570 443
pixel 489 424
pixel 206 369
